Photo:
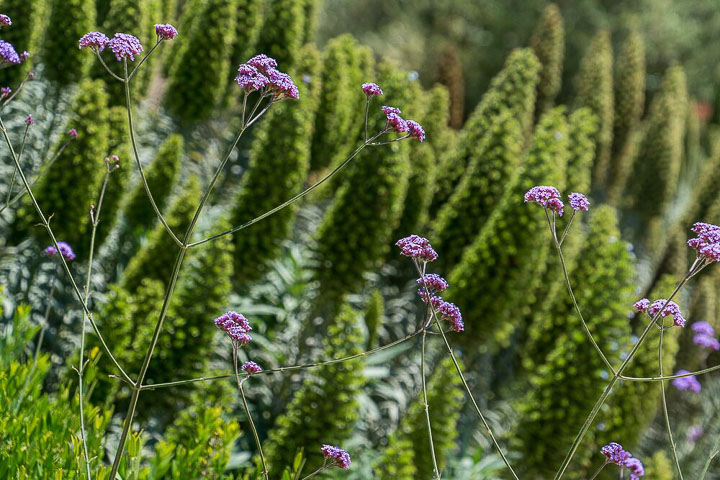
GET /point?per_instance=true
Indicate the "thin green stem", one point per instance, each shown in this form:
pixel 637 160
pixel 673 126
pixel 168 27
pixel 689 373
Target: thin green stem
pixel 247 412
pixel 117 77
pixel 324 467
pixel 597 472
pixel 665 409
pixel 14 175
pixel 713 453
pixel 132 74
pixel 46 317
pixel 436 471
pixel 671 377
pixel 15 94
pixel 567 227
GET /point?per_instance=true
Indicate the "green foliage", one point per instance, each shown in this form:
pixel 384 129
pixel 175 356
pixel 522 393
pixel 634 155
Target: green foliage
pixel 161 176
pixel 659 467
pixel 306 422
pixel 492 165
pixel 247 30
pixel 657 166
pixel 629 104
pixel 352 238
pixel 632 409
pixel 283 30
pixel 495 281
pixel 25 34
pixel 582 127
pixel 69 20
pixel 436 120
pixel 548 43
pixel 595 91
pixel 341 105
pixel 565 387
pixel 397 461
pixel 40 432
pixel 310 14
pixel 68 188
pixel 198 80
pixel 420 188
pixel 279 163
pixel 513 89
pixel 156 258
pixel 450 74
pixel 373 316
pixel 119 144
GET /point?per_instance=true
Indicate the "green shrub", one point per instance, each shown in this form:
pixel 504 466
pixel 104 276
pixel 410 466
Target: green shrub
pixel 548 43
pixel 374 318
pixel 68 21
pixel 247 30
pixel 283 31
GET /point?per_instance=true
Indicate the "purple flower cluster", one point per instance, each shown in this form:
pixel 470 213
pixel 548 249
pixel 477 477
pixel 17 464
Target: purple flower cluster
pixel 418 247
pixel 73 133
pixel 5 21
pixel 24 56
pixel 433 282
pixel 29 120
pixel 707 242
pixel 5 92
pixel 451 313
pixel 124 45
pixel 705 335
pixel 8 55
pixel 546 197
pixel 337 455
pixel 400 125
pixel 416 130
pixel 65 250
pixel 95 40
pixel 659 307
pixel 371 89
pixel 165 31
pixel 615 453
pixel 686 383
pixel 260 72
pixel 236 326
pixel 578 201
pixel 251 367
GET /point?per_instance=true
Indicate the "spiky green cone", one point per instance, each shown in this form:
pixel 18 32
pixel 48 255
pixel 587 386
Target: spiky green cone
pixel 495 281
pixel 69 20
pixel 548 43
pixel 282 33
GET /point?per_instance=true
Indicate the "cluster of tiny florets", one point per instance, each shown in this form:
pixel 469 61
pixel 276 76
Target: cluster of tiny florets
pixel 5 20
pixel 416 130
pixel 337 455
pixel 236 326
pixel 260 72
pixel 124 45
pixel 659 307
pixel 707 242
pixel 545 196
pixel 371 89
pixel 433 282
pixel 5 92
pixel 165 31
pixel 95 40
pixel 29 120
pixel 8 55
pixel 705 335
pixel 578 201
pixel 251 367
pixel 615 453
pixel 73 133
pixel 65 250
pixel 417 247
pixel 686 383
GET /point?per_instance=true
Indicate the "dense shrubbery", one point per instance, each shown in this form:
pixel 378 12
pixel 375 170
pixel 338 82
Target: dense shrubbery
pixel 319 279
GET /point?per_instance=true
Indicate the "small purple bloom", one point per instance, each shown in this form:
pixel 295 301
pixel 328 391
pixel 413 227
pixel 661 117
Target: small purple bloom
pixel 636 468
pixel 556 205
pixel 337 455
pixel 5 21
pixel 671 309
pixel 642 305
pixel 250 79
pixel 29 120
pixel 282 84
pixel 397 123
pixel 263 63
pixel 388 110
pixel 371 89
pixel 31 75
pixel 545 196
pixel 694 433
pixel 235 325
pixel 450 312
pixel 165 31
pixel 703 327
pixel 251 367
pixel 5 91
pixel 615 453
pixel 65 250
pixel 95 40
pixel 416 130
pixel 686 383
pixel 125 45
pixel 707 243
pixel 24 55
pixel 416 246
pixel 578 201
pixel 73 133
pixel 433 282
pixel 706 341
pixel 8 55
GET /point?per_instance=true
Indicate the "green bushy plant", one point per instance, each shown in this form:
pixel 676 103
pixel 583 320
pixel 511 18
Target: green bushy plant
pixel 548 43
pixel 68 21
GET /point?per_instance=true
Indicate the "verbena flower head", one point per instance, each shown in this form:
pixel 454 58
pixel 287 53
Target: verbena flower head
pixel 545 196
pixel 165 31
pixel 8 55
pixel 73 133
pixel 703 327
pixel 65 250
pixel 615 453
pixel 235 325
pixel 433 282
pixel 29 120
pixel 388 110
pixel 707 242
pixel 336 455
pixel 95 40
pixel 5 20
pixel 451 313
pixel 416 130
pixel 5 92
pixel 371 89
pixel 418 247
pixel 24 55
pixel 397 123
pixel 282 84
pixel 686 383
pixel 578 201
pixel 263 63
pixel 251 367
pixel 636 468
pixel 706 341
pixel 671 309
pixel 250 79
pixel 642 305
pixel 124 45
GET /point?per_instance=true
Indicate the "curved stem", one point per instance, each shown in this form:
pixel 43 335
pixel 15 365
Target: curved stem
pixel 117 77
pixel 597 472
pixel 713 453
pixel 436 471
pixel 247 412
pixel 671 377
pixel 665 409
pixel 14 175
pixel 132 74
